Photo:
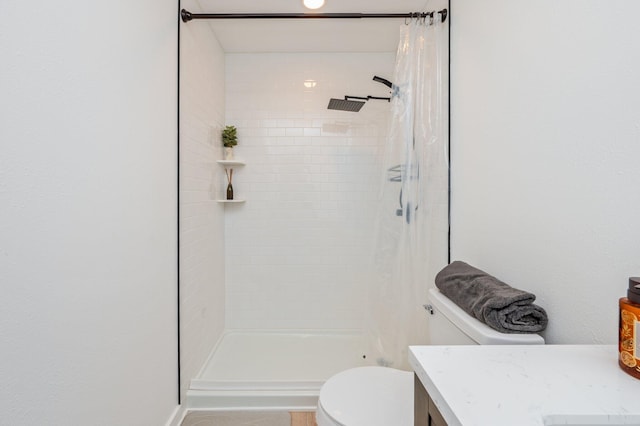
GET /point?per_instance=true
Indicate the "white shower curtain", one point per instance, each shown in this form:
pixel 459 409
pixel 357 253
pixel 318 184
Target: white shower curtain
pixel 412 227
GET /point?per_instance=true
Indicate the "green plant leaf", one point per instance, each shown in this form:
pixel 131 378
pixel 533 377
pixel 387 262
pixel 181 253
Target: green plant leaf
pixel 229 136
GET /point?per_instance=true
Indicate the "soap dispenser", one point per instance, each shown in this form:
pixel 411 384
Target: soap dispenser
pixel 629 324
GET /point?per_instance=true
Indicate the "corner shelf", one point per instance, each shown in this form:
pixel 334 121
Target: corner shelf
pixel 231 201
pixel 230 163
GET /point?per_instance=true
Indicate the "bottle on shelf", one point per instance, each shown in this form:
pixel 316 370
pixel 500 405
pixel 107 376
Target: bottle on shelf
pixel 629 322
pixel 229 186
pixel 229 191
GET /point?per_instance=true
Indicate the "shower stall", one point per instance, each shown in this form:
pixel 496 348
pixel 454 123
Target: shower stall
pixel 299 271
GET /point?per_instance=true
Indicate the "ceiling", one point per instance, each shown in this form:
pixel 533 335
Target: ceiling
pixel 305 35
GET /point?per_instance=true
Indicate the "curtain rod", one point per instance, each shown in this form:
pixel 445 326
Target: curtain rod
pixel 188 16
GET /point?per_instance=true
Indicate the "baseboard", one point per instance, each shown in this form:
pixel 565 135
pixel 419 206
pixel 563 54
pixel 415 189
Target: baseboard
pixel 178 416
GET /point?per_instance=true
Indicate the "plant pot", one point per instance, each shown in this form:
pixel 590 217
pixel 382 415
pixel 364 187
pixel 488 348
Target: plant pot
pixel 228 153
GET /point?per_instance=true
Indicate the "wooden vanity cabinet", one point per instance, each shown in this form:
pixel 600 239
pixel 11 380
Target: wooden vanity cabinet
pixel 425 412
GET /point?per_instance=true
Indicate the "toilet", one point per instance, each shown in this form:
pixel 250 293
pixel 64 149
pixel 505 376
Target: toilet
pixel 383 396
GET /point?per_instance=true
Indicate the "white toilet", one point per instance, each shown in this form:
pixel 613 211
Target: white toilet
pixel 382 396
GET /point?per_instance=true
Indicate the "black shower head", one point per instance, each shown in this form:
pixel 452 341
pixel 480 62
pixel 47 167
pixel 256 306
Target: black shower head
pixel 383 81
pixel 345 104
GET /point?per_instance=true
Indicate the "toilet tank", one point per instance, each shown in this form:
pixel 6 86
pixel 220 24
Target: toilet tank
pixel 450 325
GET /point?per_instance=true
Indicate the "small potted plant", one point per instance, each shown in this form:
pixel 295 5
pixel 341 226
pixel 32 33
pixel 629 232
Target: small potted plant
pixel 229 140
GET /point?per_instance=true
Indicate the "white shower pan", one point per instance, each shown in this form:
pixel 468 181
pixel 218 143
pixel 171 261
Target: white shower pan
pixel 269 370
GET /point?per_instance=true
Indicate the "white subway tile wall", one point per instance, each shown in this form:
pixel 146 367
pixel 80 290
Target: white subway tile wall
pixel 298 250
pixel 201 218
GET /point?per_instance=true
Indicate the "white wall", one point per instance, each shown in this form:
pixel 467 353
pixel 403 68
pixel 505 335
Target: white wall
pixel 545 140
pixel 88 217
pixel 202 295
pixel 298 249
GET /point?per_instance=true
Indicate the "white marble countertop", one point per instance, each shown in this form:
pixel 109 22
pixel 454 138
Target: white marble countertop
pixel 528 385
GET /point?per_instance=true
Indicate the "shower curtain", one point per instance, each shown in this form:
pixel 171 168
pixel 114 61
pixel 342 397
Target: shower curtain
pixel 412 225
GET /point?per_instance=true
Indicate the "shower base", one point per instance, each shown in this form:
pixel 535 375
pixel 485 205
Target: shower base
pixel 266 370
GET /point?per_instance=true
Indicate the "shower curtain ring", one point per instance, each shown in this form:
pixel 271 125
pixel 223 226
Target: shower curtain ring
pixel 410 17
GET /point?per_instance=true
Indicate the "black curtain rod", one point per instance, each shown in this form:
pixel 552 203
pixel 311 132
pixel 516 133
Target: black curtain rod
pixel 188 16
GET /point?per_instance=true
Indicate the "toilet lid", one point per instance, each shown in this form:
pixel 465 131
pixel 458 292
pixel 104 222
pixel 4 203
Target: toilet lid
pixel 369 396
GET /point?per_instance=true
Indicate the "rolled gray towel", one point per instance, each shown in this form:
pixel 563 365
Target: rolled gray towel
pixel 491 301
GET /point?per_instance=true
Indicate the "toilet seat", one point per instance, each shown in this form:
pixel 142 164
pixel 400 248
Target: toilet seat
pixel 367 396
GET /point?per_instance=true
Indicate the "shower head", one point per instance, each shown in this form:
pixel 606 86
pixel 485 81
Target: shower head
pixel 354 106
pixel 345 104
pixel 383 81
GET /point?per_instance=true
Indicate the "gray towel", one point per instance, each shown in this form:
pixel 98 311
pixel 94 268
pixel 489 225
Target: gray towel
pixel 491 301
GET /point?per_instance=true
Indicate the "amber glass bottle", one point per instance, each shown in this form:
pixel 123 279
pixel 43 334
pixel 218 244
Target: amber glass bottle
pixel 629 338
pixel 229 191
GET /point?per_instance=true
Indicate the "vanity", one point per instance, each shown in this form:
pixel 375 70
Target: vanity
pixel 542 385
